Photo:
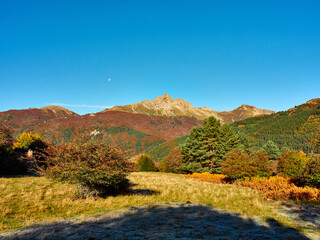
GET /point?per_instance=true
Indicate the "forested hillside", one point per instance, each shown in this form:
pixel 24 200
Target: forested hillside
pixel 291 129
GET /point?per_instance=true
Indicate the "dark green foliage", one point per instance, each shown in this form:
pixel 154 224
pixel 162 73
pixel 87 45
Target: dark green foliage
pixel 292 164
pixel 97 169
pixel 146 164
pixel 246 143
pixel 207 146
pixel 193 167
pixel 286 129
pixel 312 172
pixel 9 163
pixel 241 165
pixel 271 149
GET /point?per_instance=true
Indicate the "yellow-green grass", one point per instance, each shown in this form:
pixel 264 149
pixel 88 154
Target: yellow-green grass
pixel 24 201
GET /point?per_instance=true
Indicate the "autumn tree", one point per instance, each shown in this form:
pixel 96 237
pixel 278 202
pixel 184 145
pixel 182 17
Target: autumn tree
pixel 292 164
pixel 173 161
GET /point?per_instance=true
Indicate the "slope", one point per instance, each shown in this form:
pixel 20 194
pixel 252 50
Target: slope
pixel 292 128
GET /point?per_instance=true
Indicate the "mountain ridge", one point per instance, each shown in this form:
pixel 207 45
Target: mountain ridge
pixel 165 105
pixel 291 129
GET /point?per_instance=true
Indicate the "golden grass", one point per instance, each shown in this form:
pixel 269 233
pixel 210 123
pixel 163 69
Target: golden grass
pixel 27 200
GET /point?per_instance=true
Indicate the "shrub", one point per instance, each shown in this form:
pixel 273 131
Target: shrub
pixel 9 163
pixel 173 162
pixel 27 141
pixel 146 164
pixel 278 187
pixel 311 175
pixel 97 169
pixel 208 177
pixel 241 165
pixel 292 164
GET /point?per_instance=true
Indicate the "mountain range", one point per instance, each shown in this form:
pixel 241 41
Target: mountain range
pixel 157 125
pixel 165 105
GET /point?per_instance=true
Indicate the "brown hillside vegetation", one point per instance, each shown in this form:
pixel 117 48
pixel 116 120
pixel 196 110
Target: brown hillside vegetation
pixel 166 128
pixel 17 119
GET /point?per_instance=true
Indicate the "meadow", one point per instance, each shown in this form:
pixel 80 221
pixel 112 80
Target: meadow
pixel 25 201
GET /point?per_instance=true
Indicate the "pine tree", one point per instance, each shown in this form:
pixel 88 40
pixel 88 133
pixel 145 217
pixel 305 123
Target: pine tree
pixel 271 149
pixel 207 146
pixel 228 141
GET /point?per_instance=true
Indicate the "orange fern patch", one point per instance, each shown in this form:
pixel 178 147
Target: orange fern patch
pixel 208 177
pixel 281 188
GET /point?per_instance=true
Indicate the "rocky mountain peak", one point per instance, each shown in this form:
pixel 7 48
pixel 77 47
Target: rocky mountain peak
pixel 165 105
pixel 164 98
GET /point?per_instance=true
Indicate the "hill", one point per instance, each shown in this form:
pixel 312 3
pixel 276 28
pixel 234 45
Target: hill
pixel 135 133
pixel 165 105
pixel 18 120
pixel 292 128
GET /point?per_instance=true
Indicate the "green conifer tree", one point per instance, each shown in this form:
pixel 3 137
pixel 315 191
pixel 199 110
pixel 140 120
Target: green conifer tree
pixel 207 146
pixel 271 149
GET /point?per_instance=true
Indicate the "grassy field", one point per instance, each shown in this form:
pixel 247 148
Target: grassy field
pixel 26 200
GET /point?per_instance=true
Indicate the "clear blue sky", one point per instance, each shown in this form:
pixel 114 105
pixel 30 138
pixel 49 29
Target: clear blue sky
pixel 218 54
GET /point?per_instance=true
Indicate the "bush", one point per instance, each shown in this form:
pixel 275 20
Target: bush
pixel 28 141
pixel 282 188
pixel 292 164
pixel 146 164
pixel 97 169
pixel 208 177
pixel 173 162
pixel 311 175
pixel 9 163
pixel 241 165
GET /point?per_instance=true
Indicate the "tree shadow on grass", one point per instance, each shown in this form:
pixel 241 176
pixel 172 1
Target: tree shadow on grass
pixel 144 192
pixel 306 214
pixel 18 176
pixel 170 221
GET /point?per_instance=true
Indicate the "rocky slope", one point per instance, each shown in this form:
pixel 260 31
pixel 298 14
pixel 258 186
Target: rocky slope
pixel 165 105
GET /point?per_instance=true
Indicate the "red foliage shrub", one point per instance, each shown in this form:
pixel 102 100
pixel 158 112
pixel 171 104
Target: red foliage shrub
pixel 97 169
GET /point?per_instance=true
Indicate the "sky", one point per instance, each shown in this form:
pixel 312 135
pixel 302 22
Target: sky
pixel 90 55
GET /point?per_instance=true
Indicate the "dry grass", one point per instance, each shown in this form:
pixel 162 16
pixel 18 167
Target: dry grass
pixel 26 200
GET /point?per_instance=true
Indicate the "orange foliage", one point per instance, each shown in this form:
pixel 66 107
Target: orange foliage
pixel 208 177
pixel 281 188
